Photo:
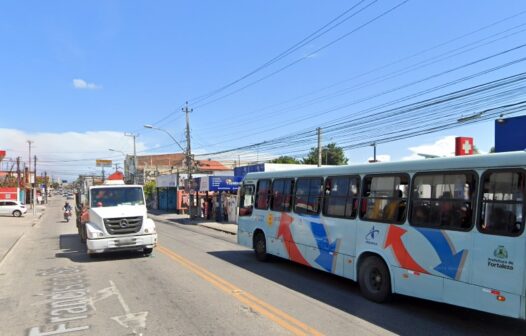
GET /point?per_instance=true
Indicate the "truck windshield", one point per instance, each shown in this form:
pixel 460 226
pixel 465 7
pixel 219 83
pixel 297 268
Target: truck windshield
pixel 107 197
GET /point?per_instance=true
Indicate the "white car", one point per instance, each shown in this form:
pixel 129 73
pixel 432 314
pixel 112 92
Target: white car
pixel 13 208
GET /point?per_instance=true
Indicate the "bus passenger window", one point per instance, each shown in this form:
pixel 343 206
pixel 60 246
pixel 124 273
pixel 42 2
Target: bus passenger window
pixel 341 196
pixel 308 195
pixel 502 209
pixel 246 200
pixel 281 194
pixel 443 200
pixel 385 198
pixel 262 195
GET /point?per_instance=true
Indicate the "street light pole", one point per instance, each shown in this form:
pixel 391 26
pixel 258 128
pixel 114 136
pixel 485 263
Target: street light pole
pixel 29 142
pixel 134 156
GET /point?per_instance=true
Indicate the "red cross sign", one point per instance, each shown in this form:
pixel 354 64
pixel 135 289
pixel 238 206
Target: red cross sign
pixel 464 146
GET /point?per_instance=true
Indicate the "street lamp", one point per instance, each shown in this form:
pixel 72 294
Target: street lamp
pixel 188 158
pixel 118 151
pixel 165 131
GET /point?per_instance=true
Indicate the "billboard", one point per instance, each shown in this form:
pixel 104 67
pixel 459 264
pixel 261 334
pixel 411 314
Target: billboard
pixel 510 134
pixel 218 183
pixel 104 163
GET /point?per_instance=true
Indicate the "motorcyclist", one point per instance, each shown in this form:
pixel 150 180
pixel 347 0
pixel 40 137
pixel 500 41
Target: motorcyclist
pixel 67 211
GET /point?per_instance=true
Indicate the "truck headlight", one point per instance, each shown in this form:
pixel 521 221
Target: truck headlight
pixel 95 234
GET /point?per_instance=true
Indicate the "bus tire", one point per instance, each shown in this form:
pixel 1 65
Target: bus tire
pixel 374 279
pixel 260 246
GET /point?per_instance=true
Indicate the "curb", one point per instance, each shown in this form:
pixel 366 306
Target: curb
pixel 196 224
pixel 35 222
pixel 218 229
pixel 11 248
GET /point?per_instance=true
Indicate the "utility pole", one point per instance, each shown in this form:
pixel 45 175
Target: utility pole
pixel 29 142
pixel 187 111
pixel 319 146
pixel 18 173
pixel 134 156
pixel 45 187
pixel 35 186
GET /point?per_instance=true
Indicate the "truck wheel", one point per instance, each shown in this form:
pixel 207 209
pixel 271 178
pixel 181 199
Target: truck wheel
pixel 260 247
pixel 374 280
pixel 17 213
pixel 147 251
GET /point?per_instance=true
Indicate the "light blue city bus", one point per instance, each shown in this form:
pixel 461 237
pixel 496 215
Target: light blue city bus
pixel 446 229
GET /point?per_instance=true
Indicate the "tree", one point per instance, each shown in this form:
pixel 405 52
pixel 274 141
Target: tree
pixel 330 155
pixel 149 189
pixel 285 159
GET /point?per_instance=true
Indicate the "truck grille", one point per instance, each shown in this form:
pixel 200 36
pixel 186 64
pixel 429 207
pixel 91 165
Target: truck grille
pixel 123 225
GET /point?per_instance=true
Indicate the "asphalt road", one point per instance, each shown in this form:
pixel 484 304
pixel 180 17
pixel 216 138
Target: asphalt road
pixel 199 282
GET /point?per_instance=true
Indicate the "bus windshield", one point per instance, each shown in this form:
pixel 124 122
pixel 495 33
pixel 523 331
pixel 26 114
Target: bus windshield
pixel 107 197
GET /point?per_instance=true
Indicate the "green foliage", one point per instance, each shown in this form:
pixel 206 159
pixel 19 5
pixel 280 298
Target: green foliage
pixel 286 159
pixel 149 189
pixel 330 155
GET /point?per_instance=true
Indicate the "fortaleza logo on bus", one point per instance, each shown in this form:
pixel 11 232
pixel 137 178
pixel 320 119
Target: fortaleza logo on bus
pixel 501 254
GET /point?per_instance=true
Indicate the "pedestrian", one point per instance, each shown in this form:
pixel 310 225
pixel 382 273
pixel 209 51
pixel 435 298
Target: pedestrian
pixel 209 208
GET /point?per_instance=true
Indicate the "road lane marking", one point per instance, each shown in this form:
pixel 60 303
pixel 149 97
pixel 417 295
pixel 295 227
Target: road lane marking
pixel 68 301
pixel 129 319
pixel 276 315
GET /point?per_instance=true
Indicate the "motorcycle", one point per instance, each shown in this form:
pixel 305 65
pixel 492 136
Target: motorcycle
pixel 67 214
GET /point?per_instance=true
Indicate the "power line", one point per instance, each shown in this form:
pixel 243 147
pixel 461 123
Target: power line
pixel 306 56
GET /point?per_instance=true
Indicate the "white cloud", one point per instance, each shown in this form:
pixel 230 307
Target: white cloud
pixel 83 85
pixel 441 147
pixel 67 154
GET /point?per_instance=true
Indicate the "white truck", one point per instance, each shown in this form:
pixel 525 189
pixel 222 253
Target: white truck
pixel 114 218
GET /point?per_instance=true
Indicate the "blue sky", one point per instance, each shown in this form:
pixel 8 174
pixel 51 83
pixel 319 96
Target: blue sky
pixel 135 62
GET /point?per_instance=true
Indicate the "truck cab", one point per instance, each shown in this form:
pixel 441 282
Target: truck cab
pixel 114 218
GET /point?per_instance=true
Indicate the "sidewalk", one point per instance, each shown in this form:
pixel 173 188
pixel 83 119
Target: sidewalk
pixel 12 229
pixel 167 217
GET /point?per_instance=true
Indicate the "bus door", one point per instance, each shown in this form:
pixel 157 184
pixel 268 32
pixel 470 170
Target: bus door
pixel 500 248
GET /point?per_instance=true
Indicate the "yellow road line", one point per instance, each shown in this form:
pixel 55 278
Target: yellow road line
pixel 274 314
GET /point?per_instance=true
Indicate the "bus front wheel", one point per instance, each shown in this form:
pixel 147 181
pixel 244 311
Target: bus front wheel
pixel 374 279
pixel 260 246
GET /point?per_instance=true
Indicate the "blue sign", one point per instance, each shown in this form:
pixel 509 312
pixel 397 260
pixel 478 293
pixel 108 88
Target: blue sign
pixel 218 183
pixel 510 134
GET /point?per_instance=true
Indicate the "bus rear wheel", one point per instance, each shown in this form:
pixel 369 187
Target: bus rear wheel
pixel 374 280
pixel 260 246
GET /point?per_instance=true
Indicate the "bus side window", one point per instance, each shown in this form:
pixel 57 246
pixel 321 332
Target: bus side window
pixel 502 204
pixel 308 195
pixel 281 194
pixel 443 200
pixel 341 196
pixel 385 198
pixel 263 194
pixel 246 200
